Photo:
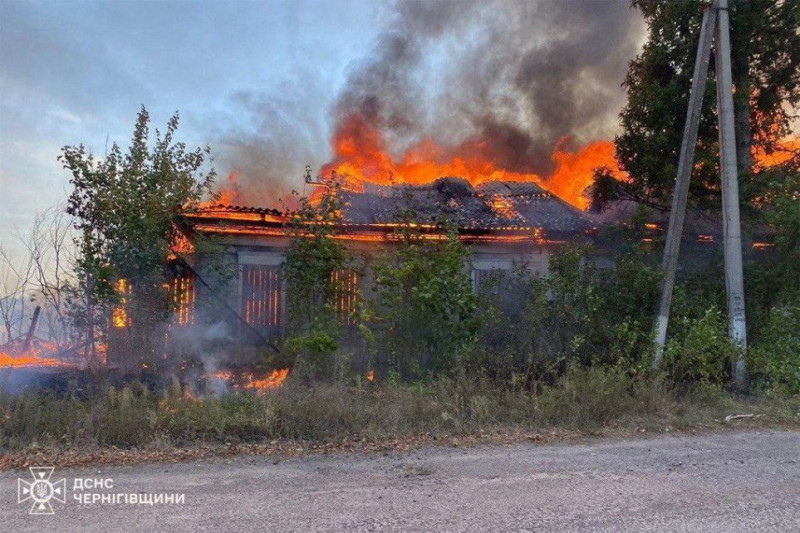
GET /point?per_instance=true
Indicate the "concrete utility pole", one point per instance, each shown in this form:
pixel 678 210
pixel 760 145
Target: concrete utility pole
pixel 732 242
pixel 681 193
pixel 715 18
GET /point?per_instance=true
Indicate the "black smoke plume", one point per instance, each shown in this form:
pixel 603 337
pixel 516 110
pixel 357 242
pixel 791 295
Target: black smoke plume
pixel 509 79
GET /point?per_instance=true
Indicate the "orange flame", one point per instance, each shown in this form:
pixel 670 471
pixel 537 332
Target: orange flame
pixel 362 154
pixel 181 245
pixel 32 358
pixel 274 380
pixel 228 193
pixel 371 376
pixel 248 381
pixel 119 315
pixel 27 361
pixel 787 149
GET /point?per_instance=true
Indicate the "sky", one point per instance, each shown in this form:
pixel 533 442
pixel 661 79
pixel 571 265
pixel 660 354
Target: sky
pixel 260 82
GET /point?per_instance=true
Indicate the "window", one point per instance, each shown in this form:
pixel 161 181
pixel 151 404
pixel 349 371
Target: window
pixel 184 295
pixel 345 283
pixel 261 296
pixel 489 280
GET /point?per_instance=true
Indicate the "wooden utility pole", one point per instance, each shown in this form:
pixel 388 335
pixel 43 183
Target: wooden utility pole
pixel 714 19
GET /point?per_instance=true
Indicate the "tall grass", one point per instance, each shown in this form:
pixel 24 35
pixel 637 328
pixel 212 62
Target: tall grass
pixel 134 417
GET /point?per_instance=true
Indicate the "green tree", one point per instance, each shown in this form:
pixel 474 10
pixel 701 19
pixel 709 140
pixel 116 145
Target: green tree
pixel 424 307
pixel 766 73
pixel 313 258
pixel 774 282
pixel 125 208
pixel 779 202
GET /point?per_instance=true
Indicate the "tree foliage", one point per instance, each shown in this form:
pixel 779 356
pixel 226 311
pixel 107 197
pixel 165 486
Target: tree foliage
pixel 766 74
pixel 313 258
pixel 314 255
pixel 424 306
pixel 125 207
pixel 775 357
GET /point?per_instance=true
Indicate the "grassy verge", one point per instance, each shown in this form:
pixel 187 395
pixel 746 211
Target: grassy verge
pixel 132 423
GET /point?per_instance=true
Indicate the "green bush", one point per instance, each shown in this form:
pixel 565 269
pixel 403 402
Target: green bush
pixel 775 357
pixel 423 312
pixel 535 326
pixel 704 354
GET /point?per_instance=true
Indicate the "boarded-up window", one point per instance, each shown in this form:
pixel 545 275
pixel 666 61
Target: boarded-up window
pixel 345 283
pixel 261 296
pixel 489 280
pixel 184 295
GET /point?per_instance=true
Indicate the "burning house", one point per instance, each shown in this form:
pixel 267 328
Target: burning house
pixel 517 139
pixel 504 223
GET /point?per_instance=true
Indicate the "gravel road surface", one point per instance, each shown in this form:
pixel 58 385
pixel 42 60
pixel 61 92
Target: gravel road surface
pixel 735 481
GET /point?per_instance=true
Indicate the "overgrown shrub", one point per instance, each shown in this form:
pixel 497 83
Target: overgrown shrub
pixel 775 357
pixel 314 257
pixel 704 354
pixel 423 312
pixel 513 316
pixel 533 327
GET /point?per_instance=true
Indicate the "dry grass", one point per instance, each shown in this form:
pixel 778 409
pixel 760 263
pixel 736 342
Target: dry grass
pixel 584 400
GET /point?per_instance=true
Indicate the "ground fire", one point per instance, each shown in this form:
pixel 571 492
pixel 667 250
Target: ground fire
pixel 250 381
pixel 29 360
pixel 30 352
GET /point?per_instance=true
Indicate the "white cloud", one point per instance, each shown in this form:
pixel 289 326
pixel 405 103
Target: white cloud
pixel 63 114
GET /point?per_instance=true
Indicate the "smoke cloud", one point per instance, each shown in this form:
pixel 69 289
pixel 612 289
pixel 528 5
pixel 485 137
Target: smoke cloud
pixel 506 80
pixel 272 138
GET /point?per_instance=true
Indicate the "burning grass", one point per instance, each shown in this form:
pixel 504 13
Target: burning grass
pixel 132 417
pixel 28 361
pixel 249 381
pixel 35 357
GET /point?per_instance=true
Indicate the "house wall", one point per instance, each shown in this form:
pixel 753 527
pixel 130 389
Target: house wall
pixel 255 294
pixel 486 259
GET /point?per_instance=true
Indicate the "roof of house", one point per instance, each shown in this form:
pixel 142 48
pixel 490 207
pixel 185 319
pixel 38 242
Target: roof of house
pixel 499 206
pixel 490 205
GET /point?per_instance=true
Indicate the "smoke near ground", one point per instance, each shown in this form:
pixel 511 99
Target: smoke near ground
pixel 507 80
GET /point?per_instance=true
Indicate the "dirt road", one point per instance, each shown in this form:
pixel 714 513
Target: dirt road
pixel 736 481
